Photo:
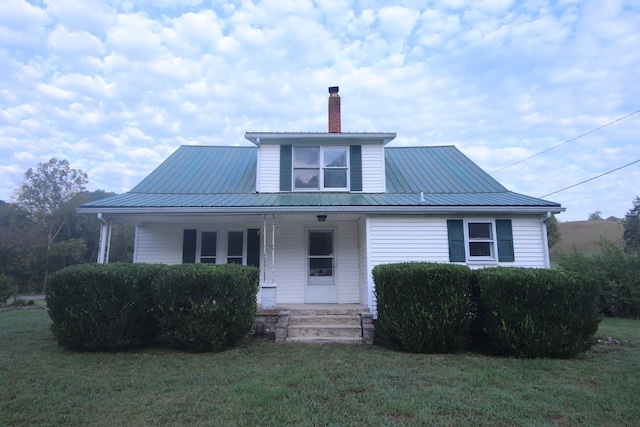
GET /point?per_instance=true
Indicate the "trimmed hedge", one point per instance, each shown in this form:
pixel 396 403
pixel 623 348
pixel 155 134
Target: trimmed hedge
pixel 525 312
pixel 204 307
pixel 422 307
pixel 102 307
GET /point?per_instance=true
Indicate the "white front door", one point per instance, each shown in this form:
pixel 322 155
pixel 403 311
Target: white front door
pixel 321 286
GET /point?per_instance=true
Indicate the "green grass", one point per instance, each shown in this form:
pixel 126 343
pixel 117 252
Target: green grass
pixel 262 383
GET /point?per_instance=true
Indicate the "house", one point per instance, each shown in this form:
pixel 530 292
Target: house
pixel 316 211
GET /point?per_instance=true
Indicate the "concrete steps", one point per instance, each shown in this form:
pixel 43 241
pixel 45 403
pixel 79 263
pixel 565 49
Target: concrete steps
pixel 334 325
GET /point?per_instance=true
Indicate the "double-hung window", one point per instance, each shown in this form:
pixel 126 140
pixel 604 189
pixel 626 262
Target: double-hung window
pixel 320 168
pixel 481 241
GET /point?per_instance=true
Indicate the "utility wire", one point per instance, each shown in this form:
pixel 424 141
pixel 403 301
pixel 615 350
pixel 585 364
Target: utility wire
pixel 566 142
pixel 591 179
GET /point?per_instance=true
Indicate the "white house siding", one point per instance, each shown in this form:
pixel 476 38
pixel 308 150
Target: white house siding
pixel 348 262
pixel 290 262
pixel 373 170
pixel 365 274
pixel 529 242
pixel 159 243
pixel 269 168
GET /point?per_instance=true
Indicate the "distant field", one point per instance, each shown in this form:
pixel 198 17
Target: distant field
pixel 585 235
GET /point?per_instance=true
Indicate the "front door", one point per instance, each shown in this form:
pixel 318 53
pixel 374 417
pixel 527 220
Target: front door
pixel 321 267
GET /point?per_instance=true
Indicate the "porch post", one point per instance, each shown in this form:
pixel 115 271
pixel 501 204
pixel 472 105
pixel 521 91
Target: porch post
pixel 104 245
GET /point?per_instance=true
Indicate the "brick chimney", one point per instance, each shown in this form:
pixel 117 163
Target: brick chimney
pixel 334 110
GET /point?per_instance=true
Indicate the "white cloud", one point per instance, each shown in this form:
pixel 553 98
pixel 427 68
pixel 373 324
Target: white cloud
pixel 135 37
pixel 65 42
pixel 93 16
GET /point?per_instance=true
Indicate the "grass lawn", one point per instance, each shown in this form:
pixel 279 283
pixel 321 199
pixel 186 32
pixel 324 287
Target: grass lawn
pixel 261 383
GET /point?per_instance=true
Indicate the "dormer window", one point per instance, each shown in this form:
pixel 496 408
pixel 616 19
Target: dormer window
pixel 320 168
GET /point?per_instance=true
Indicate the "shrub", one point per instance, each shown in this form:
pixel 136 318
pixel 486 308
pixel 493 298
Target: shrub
pixel 618 273
pixel 102 306
pixel 203 307
pixel 534 312
pixel 422 307
pixel 7 288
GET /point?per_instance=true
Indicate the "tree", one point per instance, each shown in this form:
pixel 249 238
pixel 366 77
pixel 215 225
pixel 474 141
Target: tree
pixel 44 197
pixel 553 233
pixel 595 216
pixel 631 224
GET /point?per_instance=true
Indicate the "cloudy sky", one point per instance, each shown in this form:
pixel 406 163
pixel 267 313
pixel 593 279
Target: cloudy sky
pixel 114 87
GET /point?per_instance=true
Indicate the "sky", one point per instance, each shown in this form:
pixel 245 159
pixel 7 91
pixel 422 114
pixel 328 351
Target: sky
pixel 114 87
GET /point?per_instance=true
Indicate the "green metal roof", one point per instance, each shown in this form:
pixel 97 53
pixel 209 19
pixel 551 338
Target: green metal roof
pixel 223 179
pixel 196 169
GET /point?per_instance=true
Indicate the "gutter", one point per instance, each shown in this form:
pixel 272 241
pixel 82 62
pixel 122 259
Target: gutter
pixel 400 210
pixel 545 240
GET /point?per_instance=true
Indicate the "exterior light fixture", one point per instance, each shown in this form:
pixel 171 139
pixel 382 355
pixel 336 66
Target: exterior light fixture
pixel 322 218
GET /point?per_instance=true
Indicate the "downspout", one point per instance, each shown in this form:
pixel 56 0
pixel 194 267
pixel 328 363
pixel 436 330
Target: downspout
pixel 105 240
pixel 545 240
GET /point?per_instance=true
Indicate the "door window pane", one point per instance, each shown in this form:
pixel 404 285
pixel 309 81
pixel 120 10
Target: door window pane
pixel 321 267
pixel 320 243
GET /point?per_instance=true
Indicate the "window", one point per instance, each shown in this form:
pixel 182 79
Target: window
pixel 221 251
pixel 235 244
pixel 208 247
pixel 320 168
pixel 480 240
pixel 231 248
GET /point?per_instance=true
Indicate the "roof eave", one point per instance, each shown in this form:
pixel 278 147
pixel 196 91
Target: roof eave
pixel 258 137
pixel 388 210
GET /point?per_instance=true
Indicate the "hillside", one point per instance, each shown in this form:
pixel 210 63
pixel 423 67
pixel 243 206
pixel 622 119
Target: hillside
pixel 585 235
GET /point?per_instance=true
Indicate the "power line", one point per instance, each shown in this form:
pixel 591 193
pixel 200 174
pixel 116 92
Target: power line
pixel 566 142
pixel 591 179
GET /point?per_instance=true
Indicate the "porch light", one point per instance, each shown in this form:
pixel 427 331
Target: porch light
pixel 322 218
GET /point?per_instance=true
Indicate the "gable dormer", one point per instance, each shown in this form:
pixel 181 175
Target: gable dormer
pixel 321 162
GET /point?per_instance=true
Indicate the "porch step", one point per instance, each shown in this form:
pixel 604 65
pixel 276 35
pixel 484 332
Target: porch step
pixel 324 340
pixel 339 319
pixel 324 327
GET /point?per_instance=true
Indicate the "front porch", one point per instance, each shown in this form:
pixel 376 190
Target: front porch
pixel 316 323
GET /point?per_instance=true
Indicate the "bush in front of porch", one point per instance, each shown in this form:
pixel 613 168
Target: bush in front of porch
pixel 204 307
pixel 423 307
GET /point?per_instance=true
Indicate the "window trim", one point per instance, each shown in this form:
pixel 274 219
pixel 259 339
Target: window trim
pixel 492 240
pixel 321 169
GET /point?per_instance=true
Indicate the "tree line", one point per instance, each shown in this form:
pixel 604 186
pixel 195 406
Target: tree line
pixel 41 231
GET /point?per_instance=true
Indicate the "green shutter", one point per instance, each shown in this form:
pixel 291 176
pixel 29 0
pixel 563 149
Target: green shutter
pixel 253 247
pixel 505 240
pixel 356 167
pixel 189 246
pixel 455 231
pixel 286 155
